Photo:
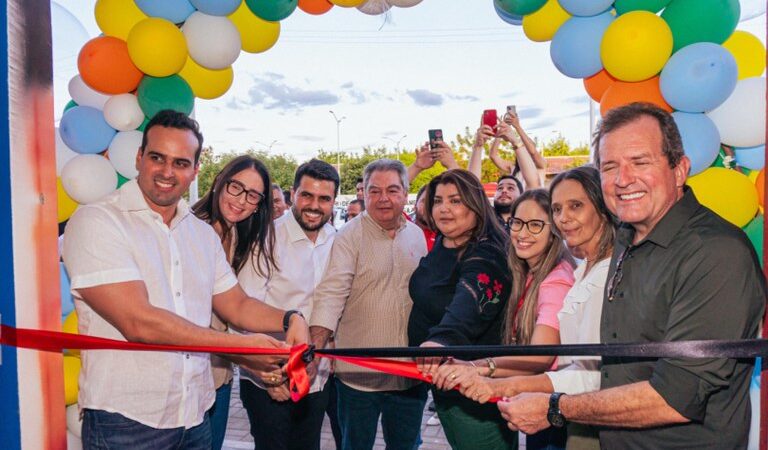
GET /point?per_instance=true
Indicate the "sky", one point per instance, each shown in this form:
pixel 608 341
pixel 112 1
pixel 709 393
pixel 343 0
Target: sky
pixel 392 77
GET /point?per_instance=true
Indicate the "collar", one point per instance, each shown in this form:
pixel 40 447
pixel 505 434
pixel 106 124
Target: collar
pixel 367 218
pixel 296 233
pixel 132 200
pixel 665 231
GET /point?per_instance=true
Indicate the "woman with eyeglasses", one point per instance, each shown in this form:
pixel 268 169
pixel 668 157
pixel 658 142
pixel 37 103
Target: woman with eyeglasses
pixel 588 227
pixel 542 273
pixel 239 208
pixel 459 291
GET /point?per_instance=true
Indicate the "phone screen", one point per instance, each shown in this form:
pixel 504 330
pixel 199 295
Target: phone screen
pixel 434 137
pixel 490 118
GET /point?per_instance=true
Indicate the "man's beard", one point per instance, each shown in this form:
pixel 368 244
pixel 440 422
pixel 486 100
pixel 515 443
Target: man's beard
pixel 502 209
pixel 304 225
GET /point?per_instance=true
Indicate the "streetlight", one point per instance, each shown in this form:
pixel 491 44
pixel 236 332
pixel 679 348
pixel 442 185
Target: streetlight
pixel 338 140
pixel 269 147
pixel 397 144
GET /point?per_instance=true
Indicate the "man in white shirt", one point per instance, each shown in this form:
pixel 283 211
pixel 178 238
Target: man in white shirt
pixel 303 240
pixel 144 269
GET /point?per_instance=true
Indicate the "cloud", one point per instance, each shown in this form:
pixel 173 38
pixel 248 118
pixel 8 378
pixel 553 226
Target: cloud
pixel 390 133
pixel 543 123
pixel 357 95
pixel 272 92
pixel 347 85
pixel 577 100
pixel 423 97
pixel 306 138
pixel 529 113
pixel 466 98
pixel 512 94
pixel 235 129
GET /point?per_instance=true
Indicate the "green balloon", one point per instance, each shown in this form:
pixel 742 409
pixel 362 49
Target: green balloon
pixel 272 10
pixel 71 104
pixel 754 232
pixel 520 7
pixel 157 94
pixel 694 21
pixel 654 6
pixel 121 180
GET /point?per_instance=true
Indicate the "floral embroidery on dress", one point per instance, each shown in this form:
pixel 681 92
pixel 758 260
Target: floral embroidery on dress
pixel 490 290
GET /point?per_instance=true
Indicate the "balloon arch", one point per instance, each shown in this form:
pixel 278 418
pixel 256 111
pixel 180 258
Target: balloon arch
pixel 682 55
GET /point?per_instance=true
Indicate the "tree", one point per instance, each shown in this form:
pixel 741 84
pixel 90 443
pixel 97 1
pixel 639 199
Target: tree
pixel 281 167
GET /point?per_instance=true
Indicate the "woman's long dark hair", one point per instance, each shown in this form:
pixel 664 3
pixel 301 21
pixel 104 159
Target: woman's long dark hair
pixel 254 235
pixel 589 179
pixel 473 197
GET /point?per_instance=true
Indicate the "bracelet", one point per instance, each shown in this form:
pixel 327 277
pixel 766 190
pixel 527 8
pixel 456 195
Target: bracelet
pixel 287 317
pixel 491 367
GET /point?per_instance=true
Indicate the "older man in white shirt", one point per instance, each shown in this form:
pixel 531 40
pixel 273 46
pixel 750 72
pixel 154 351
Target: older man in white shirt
pixel 303 240
pixel 145 269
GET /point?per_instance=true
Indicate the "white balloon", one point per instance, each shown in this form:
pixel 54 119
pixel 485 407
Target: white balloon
pixel 87 178
pixel 213 41
pixel 74 425
pixel 404 3
pixel 374 7
pixel 123 113
pixel 74 442
pixel 122 152
pixel 63 153
pixel 83 95
pixel 741 118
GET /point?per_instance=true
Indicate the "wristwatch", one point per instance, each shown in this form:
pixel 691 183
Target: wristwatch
pixel 287 317
pixel 554 416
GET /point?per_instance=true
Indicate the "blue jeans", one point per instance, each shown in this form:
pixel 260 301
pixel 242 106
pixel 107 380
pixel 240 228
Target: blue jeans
pixel 400 413
pixel 104 430
pixel 219 413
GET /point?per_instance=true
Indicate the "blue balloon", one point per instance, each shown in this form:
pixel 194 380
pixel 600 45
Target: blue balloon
pixel 585 8
pixel 575 48
pixel 176 11
pixel 753 158
pixel 216 7
pixel 701 140
pixel 512 19
pixel 85 130
pixel 67 304
pixel 699 77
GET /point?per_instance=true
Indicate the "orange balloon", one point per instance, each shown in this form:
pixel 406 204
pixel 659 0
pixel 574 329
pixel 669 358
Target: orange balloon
pixel 597 84
pixel 105 66
pixel 623 93
pixel 760 185
pixel 315 7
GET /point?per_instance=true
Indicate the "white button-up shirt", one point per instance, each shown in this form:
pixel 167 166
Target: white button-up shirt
pixel 120 239
pixel 301 264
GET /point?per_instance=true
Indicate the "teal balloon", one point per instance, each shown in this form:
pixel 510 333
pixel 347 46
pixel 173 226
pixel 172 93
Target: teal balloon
pixel 694 21
pixel 143 125
pixel 754 232
pixel 272 10
pixel 520 7
pixel 625 6
pixel 505 16
pixel 156 94
pixel 70 104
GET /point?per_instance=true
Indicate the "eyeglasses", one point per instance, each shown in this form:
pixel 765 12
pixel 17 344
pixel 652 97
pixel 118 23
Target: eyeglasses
pixel 236 188
pixel 535 226
pixel 617 275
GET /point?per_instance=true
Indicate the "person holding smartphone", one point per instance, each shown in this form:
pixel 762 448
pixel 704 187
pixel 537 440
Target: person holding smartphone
pixel 532 174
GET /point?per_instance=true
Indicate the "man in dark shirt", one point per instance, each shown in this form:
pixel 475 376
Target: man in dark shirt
pixel 507 190
pixel 679 272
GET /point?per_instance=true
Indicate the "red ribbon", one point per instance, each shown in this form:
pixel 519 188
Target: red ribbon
pixel 295 368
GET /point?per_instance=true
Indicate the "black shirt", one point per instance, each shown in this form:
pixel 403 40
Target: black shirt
pixel 506 224
pixel 459 302
pixel 695 276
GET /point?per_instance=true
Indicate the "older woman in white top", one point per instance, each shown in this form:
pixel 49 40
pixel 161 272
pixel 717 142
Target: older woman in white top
pixel 580 214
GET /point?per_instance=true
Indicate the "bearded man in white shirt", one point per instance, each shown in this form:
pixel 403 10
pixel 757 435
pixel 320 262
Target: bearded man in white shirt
pixel 144 269
pixel 303 241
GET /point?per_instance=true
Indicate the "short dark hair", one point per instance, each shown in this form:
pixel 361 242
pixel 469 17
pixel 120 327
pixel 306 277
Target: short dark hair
pixel 169 118
pixel 359 180
pixel 356 202
pixel 276 186
pixel 287 197
pixel 319 170
pixel 671 143
pixel 510 177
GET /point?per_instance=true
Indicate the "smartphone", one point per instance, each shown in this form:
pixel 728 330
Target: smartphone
pixel 490 118
pixel 435 136
pixel 511 109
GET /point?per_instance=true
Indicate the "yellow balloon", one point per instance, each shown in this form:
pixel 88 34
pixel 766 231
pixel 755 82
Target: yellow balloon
pixel 70 326
pixel 71 374
pixel 753 176
pixel 727 192
pixel 348 3
pixel 157 47
pixel 541 25
pixel 256 34
pixel 66 206
pixel 117 17
pixel 206 83
pixel 749 53
pixel 636 46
